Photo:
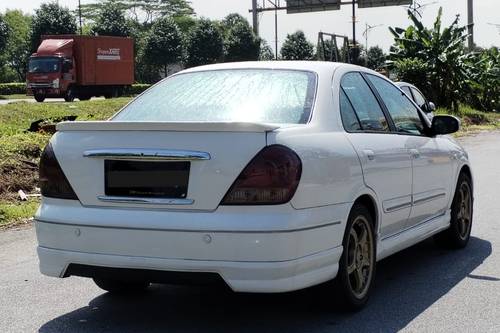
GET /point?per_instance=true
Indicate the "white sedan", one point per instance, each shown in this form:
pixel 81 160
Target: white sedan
pixel 269 176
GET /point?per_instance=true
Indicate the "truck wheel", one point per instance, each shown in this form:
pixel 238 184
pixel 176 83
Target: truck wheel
pixel 84 97
pixel 39 97
pixel 70 95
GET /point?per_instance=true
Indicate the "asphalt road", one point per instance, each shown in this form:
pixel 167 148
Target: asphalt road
pixel 422 289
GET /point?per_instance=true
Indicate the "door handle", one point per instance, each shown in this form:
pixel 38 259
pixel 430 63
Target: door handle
pixel 370 155
pixel 414 153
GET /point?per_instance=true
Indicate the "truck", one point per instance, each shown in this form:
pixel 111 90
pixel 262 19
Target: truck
pixel 76 66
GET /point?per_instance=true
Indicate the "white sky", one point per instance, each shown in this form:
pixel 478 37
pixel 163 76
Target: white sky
pixel 485 11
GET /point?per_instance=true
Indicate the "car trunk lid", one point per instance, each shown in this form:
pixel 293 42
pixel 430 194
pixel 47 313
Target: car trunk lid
pixel 155 165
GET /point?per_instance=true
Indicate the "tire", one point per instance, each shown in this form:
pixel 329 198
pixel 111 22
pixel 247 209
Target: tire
pixel 70 95
pixel 120 286
pixel 84 97
pixel 39 98
pixel 458 234
pixel 358 261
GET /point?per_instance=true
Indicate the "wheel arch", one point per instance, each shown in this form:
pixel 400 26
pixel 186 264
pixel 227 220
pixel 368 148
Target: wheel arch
pixel 370 203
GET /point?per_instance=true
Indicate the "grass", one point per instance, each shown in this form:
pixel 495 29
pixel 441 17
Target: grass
pixel 474 121
pixel 15 96
pixel 13 213
pixel 20 149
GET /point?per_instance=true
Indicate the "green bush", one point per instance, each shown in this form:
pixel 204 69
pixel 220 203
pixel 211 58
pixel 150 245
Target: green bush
pixel 12 88
pixel 136 89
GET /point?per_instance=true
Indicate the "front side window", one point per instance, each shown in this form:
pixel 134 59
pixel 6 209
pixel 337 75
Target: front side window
pixel 407 91
pixel 370 114
pixel 401 109
pixel 246 95
pixel 44 65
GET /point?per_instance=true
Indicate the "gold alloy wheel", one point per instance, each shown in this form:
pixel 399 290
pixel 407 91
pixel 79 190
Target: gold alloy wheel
pixel 464 214
pixel 360 256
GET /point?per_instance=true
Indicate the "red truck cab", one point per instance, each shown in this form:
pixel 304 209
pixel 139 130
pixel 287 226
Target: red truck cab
pixel 75 66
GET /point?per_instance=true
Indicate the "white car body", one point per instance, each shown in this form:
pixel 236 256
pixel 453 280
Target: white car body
pixel 408 179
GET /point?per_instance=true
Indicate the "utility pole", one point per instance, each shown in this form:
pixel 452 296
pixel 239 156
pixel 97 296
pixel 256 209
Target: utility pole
pixel 276 33
pixel 255 17
pixel 80 15
pixel 354 23
pixel 470 23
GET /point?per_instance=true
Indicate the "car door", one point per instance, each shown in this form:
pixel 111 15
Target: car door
pixel 431 162
pixel 384 158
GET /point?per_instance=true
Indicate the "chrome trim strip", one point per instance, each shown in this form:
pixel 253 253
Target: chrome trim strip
pixel 276 231
pixel 147 154
pixel 398 207
pixel 429 220
pixel 148 201
pixel 430 198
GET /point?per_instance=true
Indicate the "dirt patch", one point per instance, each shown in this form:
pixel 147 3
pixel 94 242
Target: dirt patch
pixel 17 174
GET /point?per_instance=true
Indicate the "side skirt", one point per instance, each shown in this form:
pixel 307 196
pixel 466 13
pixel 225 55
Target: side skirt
pixel 411 236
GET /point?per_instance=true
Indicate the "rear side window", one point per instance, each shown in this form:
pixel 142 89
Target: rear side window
pixel 401 109
pixel 349 118
pixel 368 111
pixel 241 95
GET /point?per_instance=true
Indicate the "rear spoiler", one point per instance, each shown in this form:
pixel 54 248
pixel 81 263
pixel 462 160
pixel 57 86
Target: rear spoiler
pixel 165 126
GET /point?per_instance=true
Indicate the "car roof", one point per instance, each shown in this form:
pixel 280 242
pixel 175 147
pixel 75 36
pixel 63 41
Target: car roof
pixel 320 67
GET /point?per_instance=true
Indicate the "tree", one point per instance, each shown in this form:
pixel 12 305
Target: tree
pixel 17 50
pixel 4 33
pixel 240 42
pixel 204 45
pixel 111 21
pixel 142 11
pixel 441 53
pixel 51 18
pixel 266 52
pixel 375 57
pixel 164 44
pixel 297 47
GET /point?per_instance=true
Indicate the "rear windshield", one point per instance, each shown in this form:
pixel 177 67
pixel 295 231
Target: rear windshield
pixel 246 95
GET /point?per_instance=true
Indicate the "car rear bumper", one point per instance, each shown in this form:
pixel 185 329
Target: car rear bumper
pixel 239 276
pixel 284 251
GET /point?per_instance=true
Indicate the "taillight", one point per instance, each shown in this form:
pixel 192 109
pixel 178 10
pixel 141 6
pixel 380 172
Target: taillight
pixel 53 182
pixel 270 178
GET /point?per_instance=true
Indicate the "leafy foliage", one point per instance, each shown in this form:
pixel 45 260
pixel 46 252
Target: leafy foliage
pixel 111 21
pixel 375 57
pixel 17 50
pixel 440 54
pixel 51 18
pixel 164 44
pixel 142 11
pixel 266 52
pixel 240 42
pixel 205 44
pixel 483 70
pixel 4 33
pixel 297 47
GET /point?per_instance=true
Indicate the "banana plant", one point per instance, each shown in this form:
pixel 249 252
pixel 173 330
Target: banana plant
pixel 440 55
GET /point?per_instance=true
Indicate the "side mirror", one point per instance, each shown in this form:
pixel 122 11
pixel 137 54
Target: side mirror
pixel 67 66
pixel 431 107
pixel 445 125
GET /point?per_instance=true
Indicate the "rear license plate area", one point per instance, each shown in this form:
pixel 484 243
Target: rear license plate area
pixel 146 179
